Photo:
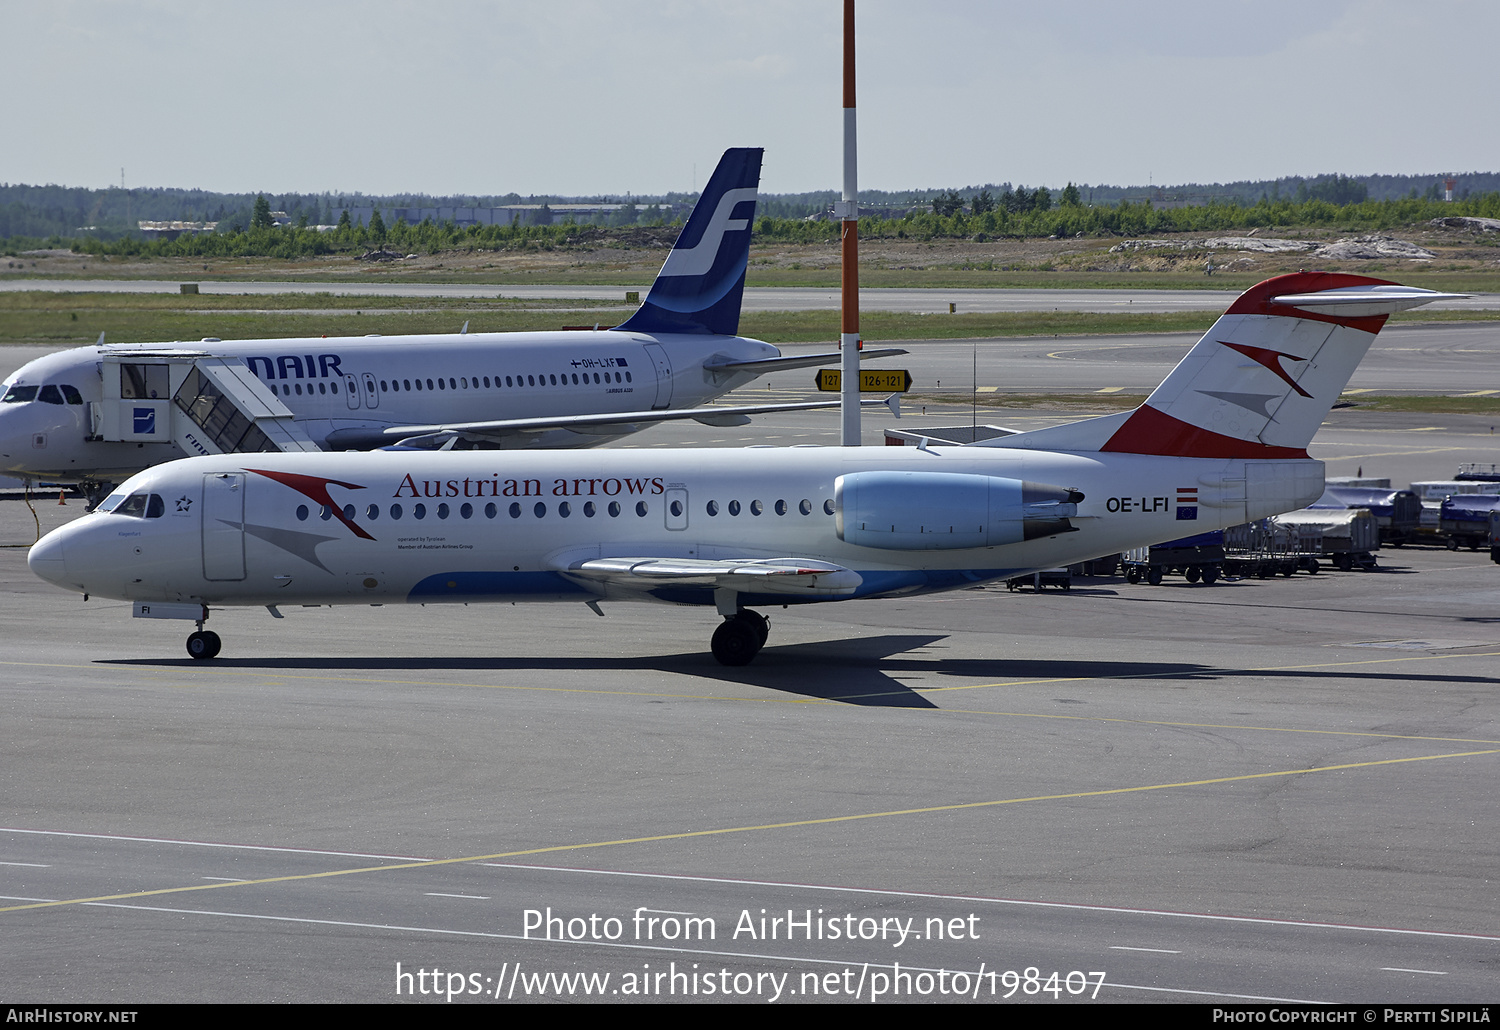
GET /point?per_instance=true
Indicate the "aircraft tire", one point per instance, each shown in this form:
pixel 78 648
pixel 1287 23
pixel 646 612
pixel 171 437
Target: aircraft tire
pixel 736 642
pixel 759 622
pixel 203 645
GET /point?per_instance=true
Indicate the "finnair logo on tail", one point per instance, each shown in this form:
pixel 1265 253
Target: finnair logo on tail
pixel 697 260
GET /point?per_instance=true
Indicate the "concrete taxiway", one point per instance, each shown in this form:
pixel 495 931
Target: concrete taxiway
pixel 1257 791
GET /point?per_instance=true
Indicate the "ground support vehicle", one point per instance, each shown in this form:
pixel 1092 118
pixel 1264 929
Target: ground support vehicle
pixel 1106 565
pixel 1433 493
pixel 1347 538
pixel 1398 513
pixel 1196 558
pixel 1464 520
pixel 1256 549
pixel 1062 579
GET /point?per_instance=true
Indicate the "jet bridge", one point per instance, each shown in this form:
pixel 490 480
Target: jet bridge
pixel 202 402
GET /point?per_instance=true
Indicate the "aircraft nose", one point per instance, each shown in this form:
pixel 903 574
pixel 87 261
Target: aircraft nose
pixel 48 560
pixel 20 426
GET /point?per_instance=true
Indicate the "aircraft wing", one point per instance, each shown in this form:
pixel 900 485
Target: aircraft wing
pixel 758 366
pixel 797 576
pixel 726 415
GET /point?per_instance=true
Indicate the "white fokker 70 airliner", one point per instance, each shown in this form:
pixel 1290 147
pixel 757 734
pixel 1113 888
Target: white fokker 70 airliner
pixel 680 350
pixel 1222 440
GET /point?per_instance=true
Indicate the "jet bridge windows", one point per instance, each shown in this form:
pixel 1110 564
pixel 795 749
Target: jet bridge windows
pixel 140 381
pixel 214 413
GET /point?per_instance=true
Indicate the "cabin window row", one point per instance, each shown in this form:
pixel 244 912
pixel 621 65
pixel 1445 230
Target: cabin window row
pixel 511 382
pixel 757 507
pixel 515 510
pixel 540 509
pixel 331 386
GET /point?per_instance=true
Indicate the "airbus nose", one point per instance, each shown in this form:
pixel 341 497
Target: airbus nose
pixel 48 560
pixel 26 431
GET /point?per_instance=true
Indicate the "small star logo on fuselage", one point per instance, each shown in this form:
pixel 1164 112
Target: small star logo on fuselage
pixel 184 503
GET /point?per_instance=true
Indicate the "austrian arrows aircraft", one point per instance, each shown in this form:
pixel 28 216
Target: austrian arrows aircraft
pixel 1221 441
pixel 98 414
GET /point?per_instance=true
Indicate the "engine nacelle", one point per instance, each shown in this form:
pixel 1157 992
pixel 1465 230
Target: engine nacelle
pixel 913 511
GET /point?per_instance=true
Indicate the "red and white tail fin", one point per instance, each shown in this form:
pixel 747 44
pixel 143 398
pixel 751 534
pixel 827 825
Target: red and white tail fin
pixel 1260 381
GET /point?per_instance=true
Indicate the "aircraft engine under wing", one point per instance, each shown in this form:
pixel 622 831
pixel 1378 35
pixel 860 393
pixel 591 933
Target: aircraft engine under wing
pixel 802 576
pixel 760 366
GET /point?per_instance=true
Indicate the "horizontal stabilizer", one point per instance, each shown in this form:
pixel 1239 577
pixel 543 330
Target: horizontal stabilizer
pixel 1363 301
pixel 759 366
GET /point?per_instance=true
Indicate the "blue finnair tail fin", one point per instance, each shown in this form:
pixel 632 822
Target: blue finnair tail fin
pixel 698 289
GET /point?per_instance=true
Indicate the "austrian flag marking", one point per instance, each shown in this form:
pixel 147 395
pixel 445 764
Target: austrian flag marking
pixel 1187 504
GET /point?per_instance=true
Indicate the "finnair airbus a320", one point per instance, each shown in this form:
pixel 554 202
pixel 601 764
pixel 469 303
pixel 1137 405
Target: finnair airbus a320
pixel 1222 440
pixel 680 350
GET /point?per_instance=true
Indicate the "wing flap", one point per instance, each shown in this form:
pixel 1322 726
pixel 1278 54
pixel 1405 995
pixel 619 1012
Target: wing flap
pixel 596 423
pixel 749 575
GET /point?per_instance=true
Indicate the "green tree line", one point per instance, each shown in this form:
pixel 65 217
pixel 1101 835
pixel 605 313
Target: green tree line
pixel 999 217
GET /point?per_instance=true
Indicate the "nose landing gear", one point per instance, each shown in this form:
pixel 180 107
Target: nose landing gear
pixel 204 644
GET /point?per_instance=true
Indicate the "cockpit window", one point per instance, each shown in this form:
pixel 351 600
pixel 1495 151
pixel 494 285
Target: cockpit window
pixel 109 503
pixel 142 506
pixel 50 395
pixel 134 506
pixel 71 394
pixel 19 394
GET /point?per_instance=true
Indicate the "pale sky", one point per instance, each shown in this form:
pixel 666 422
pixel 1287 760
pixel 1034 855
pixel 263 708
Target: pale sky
pixel 579 97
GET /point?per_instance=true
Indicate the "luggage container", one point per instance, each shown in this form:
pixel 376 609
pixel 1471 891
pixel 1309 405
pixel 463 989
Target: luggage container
pixel 1465 520
pixel 1196 558
pixel 1256 549
pixel 1478 472
pixel 1107 565
pixel 1397 512
pixel 1062 579
pixel 1348 538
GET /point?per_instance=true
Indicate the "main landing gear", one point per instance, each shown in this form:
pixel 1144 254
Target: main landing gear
pixel 740 637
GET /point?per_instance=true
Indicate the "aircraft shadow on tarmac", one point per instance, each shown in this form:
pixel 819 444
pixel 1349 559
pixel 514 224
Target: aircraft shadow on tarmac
pixel 866 671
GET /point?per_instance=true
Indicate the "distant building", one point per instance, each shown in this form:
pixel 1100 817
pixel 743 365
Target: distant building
pixel 525 214
pixel 172 230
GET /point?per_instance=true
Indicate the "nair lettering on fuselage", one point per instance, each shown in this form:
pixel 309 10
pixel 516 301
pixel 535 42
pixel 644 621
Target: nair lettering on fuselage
pixel 497 487
pixel 292 366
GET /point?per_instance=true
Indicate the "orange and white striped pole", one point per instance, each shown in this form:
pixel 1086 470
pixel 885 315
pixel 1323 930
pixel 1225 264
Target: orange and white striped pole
pixel 848 212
